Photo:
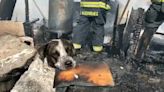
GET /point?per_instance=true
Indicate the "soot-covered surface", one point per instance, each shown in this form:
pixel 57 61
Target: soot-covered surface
pixel 128 75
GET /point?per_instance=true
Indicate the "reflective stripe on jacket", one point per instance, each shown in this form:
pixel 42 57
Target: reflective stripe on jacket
pixel 157 1
pixel 93 7
pixel 89 13
pixel 99 4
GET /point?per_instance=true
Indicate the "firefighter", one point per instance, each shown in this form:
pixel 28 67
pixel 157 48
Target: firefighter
pixel 154 17
pixel 93 18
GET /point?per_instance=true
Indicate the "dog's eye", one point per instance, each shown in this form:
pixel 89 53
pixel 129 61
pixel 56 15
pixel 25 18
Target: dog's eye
pixel 56 54
pixel 70 51
pixel 67 50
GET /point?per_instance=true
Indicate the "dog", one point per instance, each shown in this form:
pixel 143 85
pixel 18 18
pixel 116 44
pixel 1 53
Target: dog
pixel 58 53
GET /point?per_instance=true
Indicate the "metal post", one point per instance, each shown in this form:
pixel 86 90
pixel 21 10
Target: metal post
pixel 27 11
pixel 27 24
pixel 6 9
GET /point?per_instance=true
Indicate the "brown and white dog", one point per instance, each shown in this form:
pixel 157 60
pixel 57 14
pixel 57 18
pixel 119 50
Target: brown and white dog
pixel 58 54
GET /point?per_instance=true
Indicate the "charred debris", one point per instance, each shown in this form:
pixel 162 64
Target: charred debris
pixel 145 74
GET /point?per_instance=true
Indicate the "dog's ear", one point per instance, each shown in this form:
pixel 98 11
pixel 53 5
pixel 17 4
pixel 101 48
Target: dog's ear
pixel 51 53
pixel 42 51
pixel 68 47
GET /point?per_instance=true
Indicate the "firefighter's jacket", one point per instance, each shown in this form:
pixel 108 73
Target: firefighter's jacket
pixel 158 5
pixel 93 7
pixel 157 1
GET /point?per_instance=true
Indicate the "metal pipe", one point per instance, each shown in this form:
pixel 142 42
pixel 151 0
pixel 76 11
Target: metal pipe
pixel 60 16
pixel 159 33
pixel 6 9
pixel 27 11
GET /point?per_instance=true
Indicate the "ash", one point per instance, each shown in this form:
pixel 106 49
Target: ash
pixel 129 75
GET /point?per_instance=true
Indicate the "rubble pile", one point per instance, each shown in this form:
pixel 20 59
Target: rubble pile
pixel 129 76
pixel 18 59
pixel 21 70
pixel 38 78
pixel 15 57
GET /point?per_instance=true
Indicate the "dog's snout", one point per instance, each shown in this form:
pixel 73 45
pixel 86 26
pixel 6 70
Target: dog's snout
pixel 65 63
pixel 68 63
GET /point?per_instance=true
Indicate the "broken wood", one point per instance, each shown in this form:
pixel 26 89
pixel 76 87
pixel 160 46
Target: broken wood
pixel 13 28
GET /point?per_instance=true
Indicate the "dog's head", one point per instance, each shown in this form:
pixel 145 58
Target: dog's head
pixel 58 53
